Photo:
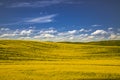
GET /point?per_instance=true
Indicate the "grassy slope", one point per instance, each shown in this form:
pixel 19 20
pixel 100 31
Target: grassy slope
pixel 21 50
pixel 32 60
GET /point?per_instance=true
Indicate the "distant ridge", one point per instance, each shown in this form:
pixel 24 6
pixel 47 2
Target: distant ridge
pixel 107 42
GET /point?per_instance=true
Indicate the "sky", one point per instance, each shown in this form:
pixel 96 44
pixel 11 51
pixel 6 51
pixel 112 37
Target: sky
pixel 60 20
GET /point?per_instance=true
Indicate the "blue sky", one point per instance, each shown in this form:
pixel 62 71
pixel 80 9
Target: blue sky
pixel 60 20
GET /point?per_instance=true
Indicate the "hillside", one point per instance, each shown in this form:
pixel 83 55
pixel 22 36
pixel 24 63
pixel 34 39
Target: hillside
pixel 34 60
pixel 33 50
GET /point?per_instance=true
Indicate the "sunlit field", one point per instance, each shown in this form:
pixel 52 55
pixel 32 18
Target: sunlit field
pixel 34 60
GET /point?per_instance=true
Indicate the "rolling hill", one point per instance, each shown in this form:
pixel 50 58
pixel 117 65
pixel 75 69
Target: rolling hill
pixel 35 60
pixel 33 50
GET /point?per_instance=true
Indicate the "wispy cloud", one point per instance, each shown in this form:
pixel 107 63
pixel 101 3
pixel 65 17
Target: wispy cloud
pixel 43 3
pixel 84 30
pixel 13 23
pixel 110 28
pixel 4 29
pixel 1 4
pixel 43 19
pixel 96 25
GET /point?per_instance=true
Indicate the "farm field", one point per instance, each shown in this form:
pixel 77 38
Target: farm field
pixel 34 60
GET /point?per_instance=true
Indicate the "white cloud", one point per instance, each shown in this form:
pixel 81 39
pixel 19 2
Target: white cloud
pixel 15 33
pixel 4 29
pixel 96 25
pixel 99 32
pixel 112 36
pixel 83 35
pixel 67 33
pixel 42 3
pixel 24 38
pixel 43 19
pixel 110 28
pixel 13 23
pixel 23 4
pixel 26 32
pixel 48 31
pixel 72 32
pixel 115 36
pixel 52 34
pixel 87 38
pixel 71 38
pixel 7 35
pixel 84 30
pixel 44 36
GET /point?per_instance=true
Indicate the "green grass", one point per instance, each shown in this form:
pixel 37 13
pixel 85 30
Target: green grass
pixel 34 60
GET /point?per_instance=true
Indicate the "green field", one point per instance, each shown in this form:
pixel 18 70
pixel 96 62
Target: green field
pixel 34 60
